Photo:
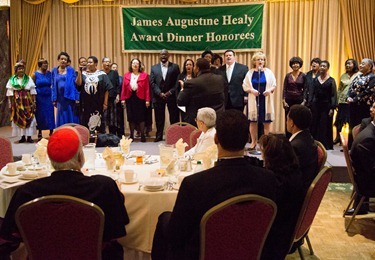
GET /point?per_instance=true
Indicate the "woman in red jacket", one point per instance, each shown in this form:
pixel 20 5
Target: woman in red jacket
pixel 136 95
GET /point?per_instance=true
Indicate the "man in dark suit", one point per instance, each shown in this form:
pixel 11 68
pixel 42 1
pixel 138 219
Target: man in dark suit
pixel 361 152
pixel 297 123
pixel 64 150
pixel 163 79
pixel 234 74
pixel 233 175
pixel 206 90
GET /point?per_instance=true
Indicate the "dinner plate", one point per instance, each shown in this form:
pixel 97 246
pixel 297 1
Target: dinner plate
pixel 10 181
pixel 158 189
pixel 27 178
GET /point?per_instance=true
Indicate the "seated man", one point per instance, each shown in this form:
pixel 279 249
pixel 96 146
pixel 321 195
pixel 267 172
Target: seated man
pixel 297 123
pixel 206 119
pixel 65 153
pixel 363 148
pixel 177 233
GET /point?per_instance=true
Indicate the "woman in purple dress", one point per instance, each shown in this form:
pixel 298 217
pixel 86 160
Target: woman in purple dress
pixel 294 83
pixel 65 95
pixel 45 112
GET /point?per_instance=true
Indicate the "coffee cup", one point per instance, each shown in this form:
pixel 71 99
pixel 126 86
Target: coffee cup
pixel 26 158
pixel 12 168
pixel 129 175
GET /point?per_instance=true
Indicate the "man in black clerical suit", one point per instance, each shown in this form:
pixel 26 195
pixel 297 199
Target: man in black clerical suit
pixel 64 150
pixel 298 122
pixel 233 175
pixel 163 79
pixel 362 154
pixel 206 90
pixel 234 73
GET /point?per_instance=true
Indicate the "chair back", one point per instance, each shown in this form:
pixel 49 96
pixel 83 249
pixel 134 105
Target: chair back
pixel 6 152
pixel 61 227
pixel 310 206
pixel 348 161
pixel 84 133
pixel 194 137
pixel 322 155
pixel 355 130
pixel 236 228
pixel 179 130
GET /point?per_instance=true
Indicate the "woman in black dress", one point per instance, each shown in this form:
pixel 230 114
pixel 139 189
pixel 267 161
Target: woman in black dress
pixel 324 101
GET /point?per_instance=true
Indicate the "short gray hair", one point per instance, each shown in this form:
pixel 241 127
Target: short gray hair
pixel 368 61
pixel 207 115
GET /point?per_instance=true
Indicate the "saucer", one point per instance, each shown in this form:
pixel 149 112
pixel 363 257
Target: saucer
pixel 130 182
pixel 11 175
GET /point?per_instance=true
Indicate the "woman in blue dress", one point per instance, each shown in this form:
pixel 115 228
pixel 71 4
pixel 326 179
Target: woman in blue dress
pixel 45 117
pixel 259 82
pixel 65 96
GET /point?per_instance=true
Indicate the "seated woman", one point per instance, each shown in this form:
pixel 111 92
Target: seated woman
pixel 279 156
pixel 206 119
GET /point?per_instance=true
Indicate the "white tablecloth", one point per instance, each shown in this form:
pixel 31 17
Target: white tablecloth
pixel 143 207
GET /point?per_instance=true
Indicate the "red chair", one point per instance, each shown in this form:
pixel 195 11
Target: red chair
pixel 322 155
pixel 61 227
pixel 6 152
pixel 84 133
pixel 310 206
pixel 355 130
pixel 194 137
pixel 236 228
pixel 179 130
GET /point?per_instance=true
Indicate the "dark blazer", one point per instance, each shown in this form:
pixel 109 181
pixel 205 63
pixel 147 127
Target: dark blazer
pixel 364 123
pixel 306 150
pixel 206 90
pixel 362 153
pixel 235 90
pixel 201 191
pixel 159 85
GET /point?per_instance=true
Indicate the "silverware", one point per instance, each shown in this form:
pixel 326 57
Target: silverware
pixel 139 186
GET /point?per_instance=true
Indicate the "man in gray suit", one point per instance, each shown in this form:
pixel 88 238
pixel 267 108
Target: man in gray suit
pixel 234 74
pixel 163 79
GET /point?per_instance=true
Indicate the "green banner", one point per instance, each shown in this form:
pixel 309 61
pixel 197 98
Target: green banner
pixel 192 29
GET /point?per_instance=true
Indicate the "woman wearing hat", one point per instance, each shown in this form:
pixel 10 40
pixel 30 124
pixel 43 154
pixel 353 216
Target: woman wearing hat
pixel 21 99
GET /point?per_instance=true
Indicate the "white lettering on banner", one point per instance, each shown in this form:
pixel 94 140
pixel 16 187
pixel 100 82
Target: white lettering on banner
pixel 228 20
pixel 183 38
pixel 146 38
pixel 185 23
pixel 212 37
pixel 149 23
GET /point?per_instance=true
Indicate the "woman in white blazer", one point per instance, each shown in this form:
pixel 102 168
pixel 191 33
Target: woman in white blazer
pixel 259 82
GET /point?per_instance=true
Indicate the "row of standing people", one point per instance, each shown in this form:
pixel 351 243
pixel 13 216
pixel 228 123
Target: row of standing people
pixel 317 90
pixel 92 97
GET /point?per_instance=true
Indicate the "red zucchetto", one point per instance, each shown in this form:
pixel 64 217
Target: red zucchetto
pixel 63 145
